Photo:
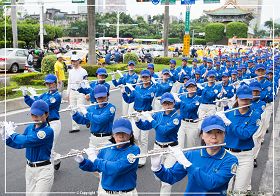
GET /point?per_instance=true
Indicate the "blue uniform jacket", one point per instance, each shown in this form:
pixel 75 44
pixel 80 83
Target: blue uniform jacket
pixel 207 174
pixel 163 87
pixel 37 141
pixel 258 105
pixel 92 86
pixel 117 172
pixel 239 134
pixel 166 126
pixel 100 119
pixel 174 75
pixel 52 99
pixel 142 97
pixel 209 93
pixel 188 106
pixel 230 91
pixel 131 79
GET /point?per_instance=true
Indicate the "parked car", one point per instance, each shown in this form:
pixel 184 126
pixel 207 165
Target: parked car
pixel 15 59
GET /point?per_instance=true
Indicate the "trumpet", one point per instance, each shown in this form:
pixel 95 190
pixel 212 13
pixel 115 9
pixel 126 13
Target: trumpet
pixel 134 114
pixel 199 119
pixel 168 151
pixel 2 123
pixel 80 152
pixel 70 108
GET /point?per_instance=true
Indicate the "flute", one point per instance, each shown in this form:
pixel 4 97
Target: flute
pixel 69 108
pixel 37 89
pixel 20 124
pixel 150 112
pixel 167 151
pixel 69 154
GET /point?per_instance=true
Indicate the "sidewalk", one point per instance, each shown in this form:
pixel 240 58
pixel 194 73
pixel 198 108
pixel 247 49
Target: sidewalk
pixel 273 163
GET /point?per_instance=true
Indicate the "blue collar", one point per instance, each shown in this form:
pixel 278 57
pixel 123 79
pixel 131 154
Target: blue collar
pixel 219 155
pixel 45 124
pixel 248 113
pixel 171 113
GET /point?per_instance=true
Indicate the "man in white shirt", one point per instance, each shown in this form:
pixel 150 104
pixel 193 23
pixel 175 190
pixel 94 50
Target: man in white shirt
pixel 76 76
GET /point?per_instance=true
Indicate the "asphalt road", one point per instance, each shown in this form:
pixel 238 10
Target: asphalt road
pixel 69 178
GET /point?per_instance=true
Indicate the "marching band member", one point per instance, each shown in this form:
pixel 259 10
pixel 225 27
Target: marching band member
pixel 142 97
pixel 184 69
pixel 188 104
pixel 53 99
pixel 129 78
pixel 118 171
pixel 185 79
pixel 241 126
pixel 209 170
pixel 100 116
pixel 166 125
pixel 173 71
pixel 163 86
pixel 76 75
pixel 38 141
pixel 151 68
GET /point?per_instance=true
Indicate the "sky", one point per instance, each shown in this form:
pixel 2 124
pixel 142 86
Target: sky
pixel 134 8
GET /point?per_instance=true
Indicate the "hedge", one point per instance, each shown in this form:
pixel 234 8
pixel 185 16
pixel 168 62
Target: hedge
pixel 91 69
pixel 130 57
pixel 116 67
pixel 8 90
pixel 9 44
pixel 27 78
pixel 48 64
pixel 162 60
pixel 199 41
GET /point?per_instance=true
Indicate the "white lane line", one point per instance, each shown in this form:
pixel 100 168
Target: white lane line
pixel 14 112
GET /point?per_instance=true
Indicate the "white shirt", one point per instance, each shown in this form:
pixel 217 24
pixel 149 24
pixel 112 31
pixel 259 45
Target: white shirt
pixel 76 76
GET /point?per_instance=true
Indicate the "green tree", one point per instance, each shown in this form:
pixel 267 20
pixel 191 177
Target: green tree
pixel 177 30
pixel 214 32
pixel 238 29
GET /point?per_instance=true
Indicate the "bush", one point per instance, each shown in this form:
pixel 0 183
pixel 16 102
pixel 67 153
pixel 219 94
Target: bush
pixel 116 67
pixel 174 40
pixel 38 82
pixel 9 90
pixel 91 69
pixel 238 29
pixel 214 32
pixel 27 78
pixel 162 60
pixel 199 41
pixel 9 44
pixel 130 57
pixel 48 64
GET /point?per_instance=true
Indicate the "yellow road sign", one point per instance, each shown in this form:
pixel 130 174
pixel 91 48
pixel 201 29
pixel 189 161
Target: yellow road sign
pixel 186 49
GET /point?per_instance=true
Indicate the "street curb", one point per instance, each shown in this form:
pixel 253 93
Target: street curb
pixel 12 105
pixel 266 184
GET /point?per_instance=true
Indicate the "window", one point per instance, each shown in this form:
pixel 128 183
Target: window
pixel 20 53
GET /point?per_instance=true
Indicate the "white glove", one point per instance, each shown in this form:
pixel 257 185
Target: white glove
pixel 113 76
pixel 9 128
pixel 91 153
pixel 193 71
pixel 224 118
pixel 180 157
pixel 248 71
pixel 122 87
pixel 153 80
pixel 220 95
pixel 32 91
pixel 247 81
pixel 136 116
pixel 147 116
pixel 83 110
pixel 130 86
pixel 23 90
pixel 176 97
pixel 120 73
pixel 199 86
pixel 79 158
pixel 156 162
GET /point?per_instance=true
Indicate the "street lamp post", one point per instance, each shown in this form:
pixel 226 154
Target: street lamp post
pixel 192 36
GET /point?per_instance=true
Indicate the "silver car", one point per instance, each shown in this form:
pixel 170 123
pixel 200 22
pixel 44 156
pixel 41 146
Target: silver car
pixel 15 59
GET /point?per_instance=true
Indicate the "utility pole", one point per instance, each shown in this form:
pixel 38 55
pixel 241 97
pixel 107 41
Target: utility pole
pixel 192 36
pixel 91 32
pixel 118 26
pixel 41 25
pixel 14 23
pixel 166 28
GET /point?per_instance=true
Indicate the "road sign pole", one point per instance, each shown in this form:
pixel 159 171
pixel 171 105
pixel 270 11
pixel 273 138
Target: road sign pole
pixel 186 49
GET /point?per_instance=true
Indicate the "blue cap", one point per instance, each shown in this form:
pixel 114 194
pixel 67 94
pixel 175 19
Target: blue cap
pixel 50 78
pixel 218 63
pixel 186 76
pixel 260 66
pixel 100 90
pixel 122 125
pixel 244 92
pixel 172 61
pixel 242 66
pixel 239 69
pixel 211 123
pixel 39 107
pixel 189 82
pixel 204 58
pixel 209 61
pixel 131 63
pixel 197 72
pixel 145 72
pixel 215 58
pixel 195 60
pixel 211 73
pixel 101 71
pixel 234 72
pixel 269 71
pixel 167 97
pixel 225 74
pixel 250 61
pixel 255 86
pixel 164 71
pixel 184 59
pixel 228 60
pixel 151 66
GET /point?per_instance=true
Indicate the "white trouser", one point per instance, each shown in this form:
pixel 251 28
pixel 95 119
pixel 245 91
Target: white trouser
pixel 60 86
pixel 268 112
pixel 76 98
pixel 259 136
pixel 102 192
pixel 156 104
pixel 127 108
pixel 176 87
pixel 56 126
pixel 205 110
pixel 189 131
pixel 141 138
pixel 96 141
pixel 239 185
pixel 168 161
pixel 39 179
